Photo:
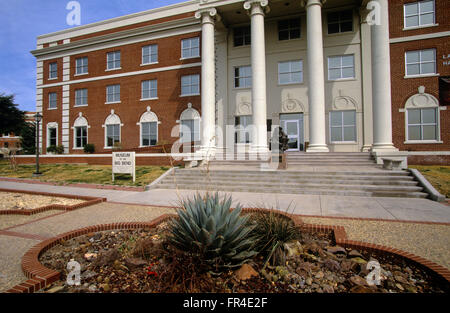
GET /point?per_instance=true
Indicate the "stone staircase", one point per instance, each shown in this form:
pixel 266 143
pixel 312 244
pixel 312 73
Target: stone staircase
pixel 320 175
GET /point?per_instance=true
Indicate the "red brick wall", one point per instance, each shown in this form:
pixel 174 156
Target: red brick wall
pixel 403 88
pixel 429 160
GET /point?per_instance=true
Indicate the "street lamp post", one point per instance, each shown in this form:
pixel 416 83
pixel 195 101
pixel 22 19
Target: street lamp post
pixel 38 118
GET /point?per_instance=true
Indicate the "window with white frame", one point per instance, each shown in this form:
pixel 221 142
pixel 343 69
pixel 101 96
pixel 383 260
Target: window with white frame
pixel 341 67
pixel 242 125
pixel 113 60
pixel 190 48
pixel 190 125
pixel 112 135
pixel 80 132
pixel 81 66
pixel 150 54
pixel 420 62
pixel 52 100
pixel 242 36
pixel 149 134
pixel 290 72
pixel 243 76
pixel 53 70
pixel 343 126
pixel 113 93
pixel 190 85
pixel 52 133
pixel 81 97
pixel 418 14
pixel 149 89
pixel 340 22
pixel 422 124
pixel 289 29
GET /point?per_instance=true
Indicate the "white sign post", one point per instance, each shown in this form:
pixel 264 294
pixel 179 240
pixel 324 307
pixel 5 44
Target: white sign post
pixel 124 163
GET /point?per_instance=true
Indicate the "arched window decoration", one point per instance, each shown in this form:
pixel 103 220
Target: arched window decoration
pixel 148 125
pixel 112 130
pixel 422 118
pixel 80 132
pixel 190 125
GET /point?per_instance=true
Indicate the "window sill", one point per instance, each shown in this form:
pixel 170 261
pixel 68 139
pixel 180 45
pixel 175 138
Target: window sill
pixel 50 109
pixel 80 105
pixel 114 102
pixel 81 74
pixel 415 142
pixel 290 84
pixel 242 88
pixel 147 146
pixel 341 80
pixel 343 142
pixel 419 27
pixel 149 99
pixel 190 95
pixel 339 34
pixel 77 148
pixel 146 64
pixel 54 78
pixel 182 59
pixel 113 69
pixel 421 76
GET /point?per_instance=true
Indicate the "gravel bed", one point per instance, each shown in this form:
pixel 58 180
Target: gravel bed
pixel 426 240
pixel 23 201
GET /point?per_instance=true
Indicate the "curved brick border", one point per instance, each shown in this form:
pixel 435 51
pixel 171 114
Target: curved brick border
pixel 40 276
pixel 89 201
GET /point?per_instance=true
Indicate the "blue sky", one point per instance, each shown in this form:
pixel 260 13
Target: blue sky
pixel 23 20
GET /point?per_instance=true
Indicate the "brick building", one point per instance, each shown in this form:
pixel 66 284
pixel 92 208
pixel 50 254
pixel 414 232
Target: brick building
pixel 130 81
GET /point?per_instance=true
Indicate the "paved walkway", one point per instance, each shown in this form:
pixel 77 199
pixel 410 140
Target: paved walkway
pixel 318 205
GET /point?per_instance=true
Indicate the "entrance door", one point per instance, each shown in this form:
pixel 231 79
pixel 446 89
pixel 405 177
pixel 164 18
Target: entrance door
pixel 292 130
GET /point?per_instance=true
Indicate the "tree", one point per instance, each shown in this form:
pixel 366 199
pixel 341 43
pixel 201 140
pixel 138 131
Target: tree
pixel 12 118
pixel 28 140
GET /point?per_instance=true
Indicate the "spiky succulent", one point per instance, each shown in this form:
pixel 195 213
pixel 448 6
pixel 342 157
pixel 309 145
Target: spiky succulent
pixel 207 229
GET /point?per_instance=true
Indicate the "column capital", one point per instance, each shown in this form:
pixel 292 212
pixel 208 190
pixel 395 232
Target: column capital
pixel 207 15
pixel 257 6
pixel 307 3
pixel 363 14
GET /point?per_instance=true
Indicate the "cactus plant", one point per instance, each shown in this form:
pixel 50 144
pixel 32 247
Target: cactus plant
pixel 207 229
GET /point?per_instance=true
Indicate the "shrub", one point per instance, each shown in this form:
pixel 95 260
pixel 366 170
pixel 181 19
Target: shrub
pixel 272 231
pixel 56 149
pixel 89 148
pixel 211 233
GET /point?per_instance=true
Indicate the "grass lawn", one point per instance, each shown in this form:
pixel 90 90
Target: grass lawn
pixel 83 173
pixel 437 175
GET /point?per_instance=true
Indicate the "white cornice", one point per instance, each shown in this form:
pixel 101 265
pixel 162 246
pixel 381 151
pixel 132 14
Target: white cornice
pixel 144 16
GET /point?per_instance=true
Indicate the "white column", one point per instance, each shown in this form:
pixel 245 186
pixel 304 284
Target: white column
pixel 208 80
pixel 316 82
pixel 381 82
pixel 258 59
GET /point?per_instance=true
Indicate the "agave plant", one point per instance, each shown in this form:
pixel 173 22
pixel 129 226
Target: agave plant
pixel 209 230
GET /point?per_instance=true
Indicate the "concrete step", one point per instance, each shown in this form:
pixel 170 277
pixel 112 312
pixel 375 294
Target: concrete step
pixel 258 173
pixel 331 163
pixel 284 190
pixel 295 182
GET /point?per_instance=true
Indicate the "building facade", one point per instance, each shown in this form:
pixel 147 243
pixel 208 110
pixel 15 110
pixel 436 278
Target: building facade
pixel 340 76
pixel 12 141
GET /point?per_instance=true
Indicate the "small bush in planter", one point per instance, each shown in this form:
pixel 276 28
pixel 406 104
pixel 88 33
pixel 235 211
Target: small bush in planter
pixel 89 148
pixel 55 149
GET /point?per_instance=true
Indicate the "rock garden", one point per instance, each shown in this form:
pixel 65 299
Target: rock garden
pixel 209 248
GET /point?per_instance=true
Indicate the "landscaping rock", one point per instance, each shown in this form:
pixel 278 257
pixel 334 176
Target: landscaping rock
pixel 358 280
pixel 133 263
pixel 355 254
pixel 336 250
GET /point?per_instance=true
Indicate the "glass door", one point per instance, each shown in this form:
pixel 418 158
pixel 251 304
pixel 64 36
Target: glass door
pixel 292 130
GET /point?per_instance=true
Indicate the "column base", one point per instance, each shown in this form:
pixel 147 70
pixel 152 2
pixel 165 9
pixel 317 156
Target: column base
pixel 389 147
pixel 366 148
pixel 318 148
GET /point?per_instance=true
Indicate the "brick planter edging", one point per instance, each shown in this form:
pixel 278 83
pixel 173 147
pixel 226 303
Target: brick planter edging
pixel 40 276
pixel 61 207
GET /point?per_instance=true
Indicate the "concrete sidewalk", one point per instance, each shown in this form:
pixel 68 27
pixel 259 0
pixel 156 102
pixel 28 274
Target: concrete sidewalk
pixel 316 205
